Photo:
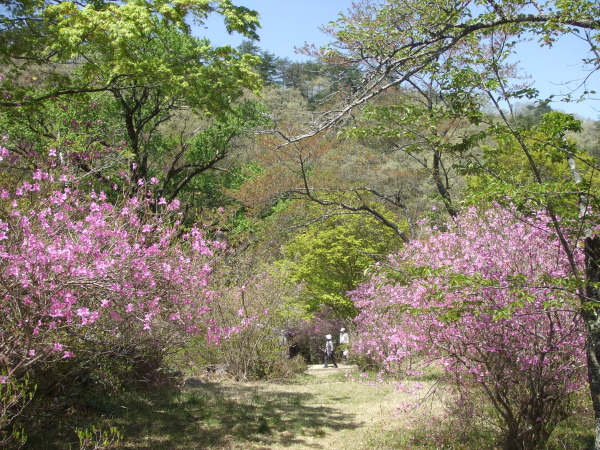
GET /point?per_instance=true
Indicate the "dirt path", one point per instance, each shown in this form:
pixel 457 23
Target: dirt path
pixel 333 408
pixel 320 371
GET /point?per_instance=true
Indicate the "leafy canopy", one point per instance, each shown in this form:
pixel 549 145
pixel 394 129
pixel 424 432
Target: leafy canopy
pixel 94 46
pixel 330 259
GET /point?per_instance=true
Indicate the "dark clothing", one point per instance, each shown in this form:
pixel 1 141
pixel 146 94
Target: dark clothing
pixel 329 355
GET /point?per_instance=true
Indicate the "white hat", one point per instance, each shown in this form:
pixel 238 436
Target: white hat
pixel 342 330
pixel 327 336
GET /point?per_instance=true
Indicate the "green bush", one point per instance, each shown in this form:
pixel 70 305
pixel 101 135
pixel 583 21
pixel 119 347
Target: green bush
pixel 15 395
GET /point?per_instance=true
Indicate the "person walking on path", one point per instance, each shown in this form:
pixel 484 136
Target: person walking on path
pixel 329 355
pixel 344 343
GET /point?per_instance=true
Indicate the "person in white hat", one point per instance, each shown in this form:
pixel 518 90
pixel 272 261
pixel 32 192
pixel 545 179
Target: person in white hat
pixel 344 343
pixel 329 355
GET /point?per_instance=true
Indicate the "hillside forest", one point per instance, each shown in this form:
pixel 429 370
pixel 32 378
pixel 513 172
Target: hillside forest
pixel 167 205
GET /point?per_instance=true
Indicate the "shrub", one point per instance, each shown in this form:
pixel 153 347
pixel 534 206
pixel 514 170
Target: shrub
pixel 14 397
pixel 254 317
pixel 487 300
pixel 95 293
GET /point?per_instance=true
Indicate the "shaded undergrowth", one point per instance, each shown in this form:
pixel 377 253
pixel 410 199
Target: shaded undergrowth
pixel 211 415
pixel 332 411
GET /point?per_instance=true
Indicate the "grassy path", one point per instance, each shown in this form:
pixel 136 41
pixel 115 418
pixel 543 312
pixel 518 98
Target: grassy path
pixel 323 409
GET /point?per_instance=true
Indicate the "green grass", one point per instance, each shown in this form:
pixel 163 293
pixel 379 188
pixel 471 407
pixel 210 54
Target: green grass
pixel 330 411
pixel 205 417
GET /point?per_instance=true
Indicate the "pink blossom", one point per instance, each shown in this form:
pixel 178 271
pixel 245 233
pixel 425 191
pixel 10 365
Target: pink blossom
pixel 480 300
pixel 89 267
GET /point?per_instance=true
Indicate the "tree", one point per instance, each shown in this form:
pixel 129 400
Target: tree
pixel 393 41
pixel 329 260
pixel 267 67
pixel 480 300
pixel 468 42
pixel 99 46
pixel 165 101
pixel 418 124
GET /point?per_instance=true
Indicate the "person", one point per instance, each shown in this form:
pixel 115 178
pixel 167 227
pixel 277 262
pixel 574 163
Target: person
pixel 294 348
pixel 329 355
pixel 344 343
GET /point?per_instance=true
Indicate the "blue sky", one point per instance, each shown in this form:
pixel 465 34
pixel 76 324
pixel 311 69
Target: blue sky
pixel 287 24
pixel 551 68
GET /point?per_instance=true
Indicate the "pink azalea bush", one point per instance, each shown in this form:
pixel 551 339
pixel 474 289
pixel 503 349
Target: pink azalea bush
pixel 487 301
pixel 81 276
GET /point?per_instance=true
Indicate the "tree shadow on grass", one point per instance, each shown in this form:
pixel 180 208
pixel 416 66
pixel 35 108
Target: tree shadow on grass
pixel 217 416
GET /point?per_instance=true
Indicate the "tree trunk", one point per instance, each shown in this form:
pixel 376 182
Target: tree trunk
pixel 442 186
pixel 591 316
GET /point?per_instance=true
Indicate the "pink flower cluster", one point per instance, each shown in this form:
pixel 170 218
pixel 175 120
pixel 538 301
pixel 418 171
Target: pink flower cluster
pixel 487 300
pixel 71 260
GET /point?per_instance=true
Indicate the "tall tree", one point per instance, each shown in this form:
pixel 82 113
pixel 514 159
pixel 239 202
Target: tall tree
pixel 168 101
pixel 468 42
pixel 102 45
pixel 393 41
pixel 329 259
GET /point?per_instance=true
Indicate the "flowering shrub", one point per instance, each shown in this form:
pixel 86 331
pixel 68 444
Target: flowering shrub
pixel 254 312
pixel 81 276
pixel 487 300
